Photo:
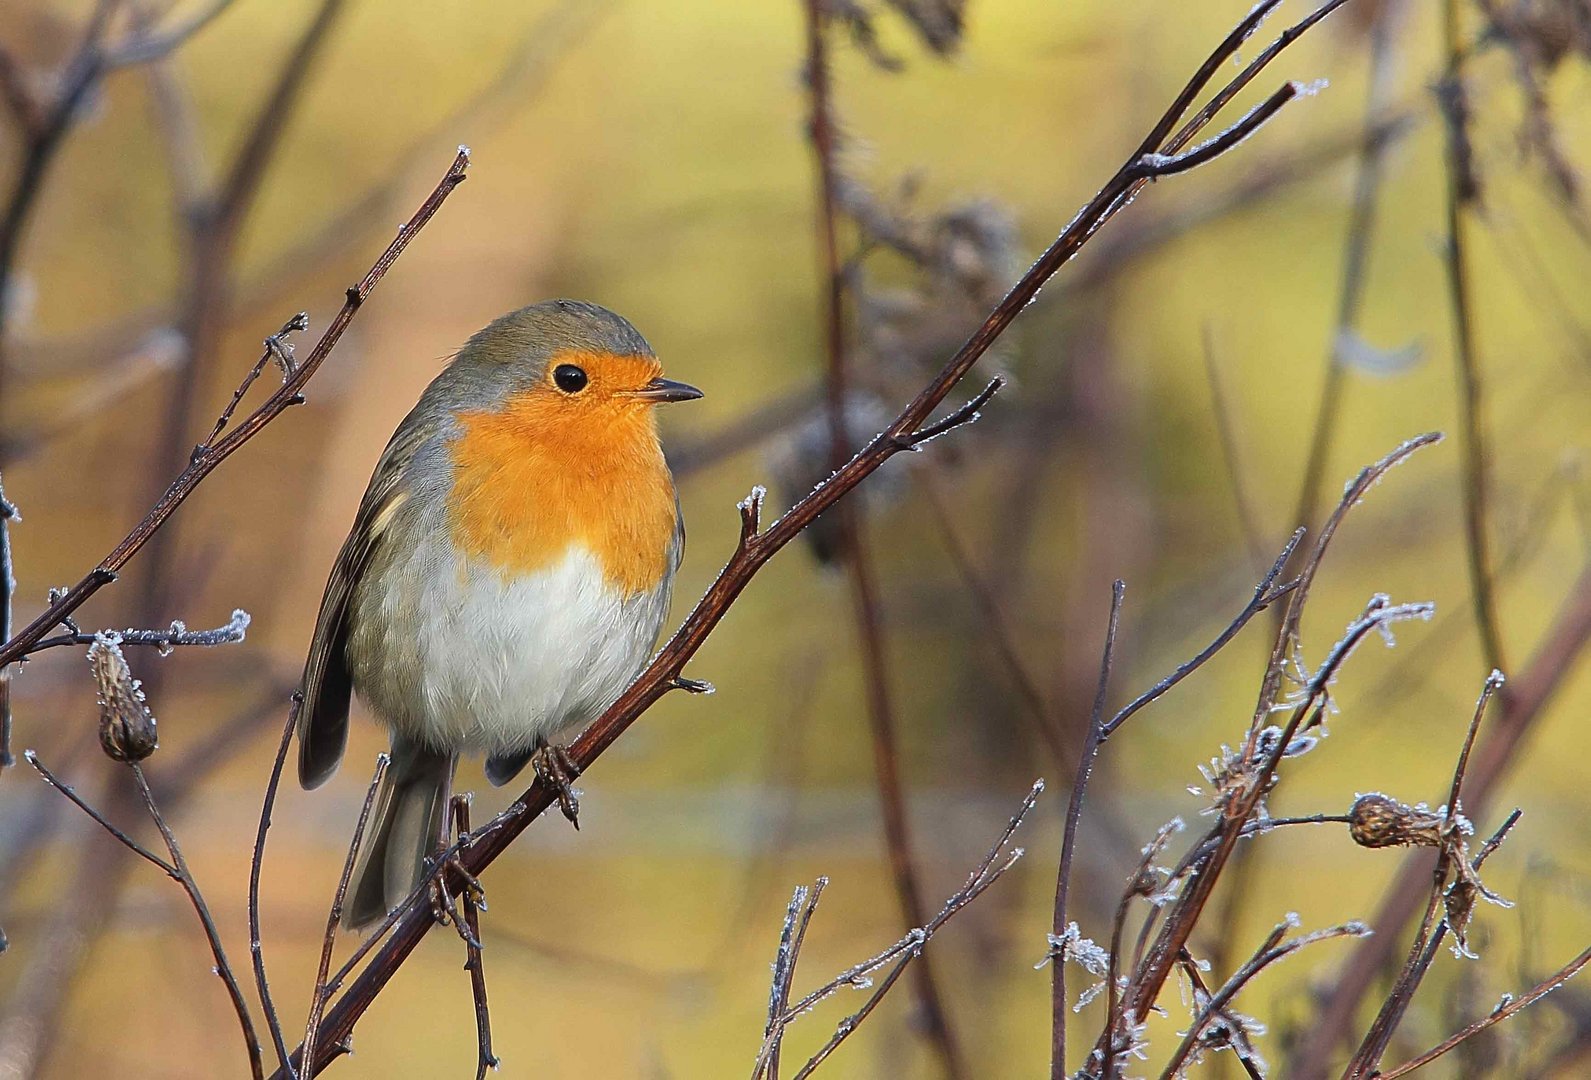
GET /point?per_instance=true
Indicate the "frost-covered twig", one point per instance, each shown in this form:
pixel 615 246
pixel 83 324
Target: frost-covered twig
pixel 1196 1041
pixel 792 935
pixel 1456 899
pixel 175 636
pixel 898 956
pixel 256 866
pixel 8 586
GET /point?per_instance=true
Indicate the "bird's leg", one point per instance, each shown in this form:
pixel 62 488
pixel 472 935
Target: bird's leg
pixel 448 861
pixel 556 769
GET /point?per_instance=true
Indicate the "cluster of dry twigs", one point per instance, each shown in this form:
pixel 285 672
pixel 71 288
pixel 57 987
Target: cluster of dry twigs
pixel 961 254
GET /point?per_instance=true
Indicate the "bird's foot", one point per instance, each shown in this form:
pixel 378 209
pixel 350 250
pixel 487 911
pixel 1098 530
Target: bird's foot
pixel 556 769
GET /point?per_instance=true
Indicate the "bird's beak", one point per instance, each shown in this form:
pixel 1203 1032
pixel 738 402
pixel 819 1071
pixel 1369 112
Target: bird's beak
pixel 660 390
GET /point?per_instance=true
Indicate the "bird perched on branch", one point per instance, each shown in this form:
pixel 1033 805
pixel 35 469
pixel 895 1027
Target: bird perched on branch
pixel 507 574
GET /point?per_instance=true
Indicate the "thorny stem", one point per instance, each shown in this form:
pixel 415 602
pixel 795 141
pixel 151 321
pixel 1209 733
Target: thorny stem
pixel 754 549
pixel 855 553
pixel 205 462
pixel 1074 814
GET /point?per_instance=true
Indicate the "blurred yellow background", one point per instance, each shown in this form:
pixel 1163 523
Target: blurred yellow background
pixel 652 157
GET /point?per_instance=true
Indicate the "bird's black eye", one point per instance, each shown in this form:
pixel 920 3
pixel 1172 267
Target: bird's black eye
pixel 569 379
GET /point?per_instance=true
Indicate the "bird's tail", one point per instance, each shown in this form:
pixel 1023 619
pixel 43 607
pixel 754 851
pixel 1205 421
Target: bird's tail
pixel 404 831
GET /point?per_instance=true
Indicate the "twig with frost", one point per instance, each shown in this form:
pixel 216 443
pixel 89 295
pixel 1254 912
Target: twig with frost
pixel 898 957
pixel 792 935
pixel 1448 831
pixel 1196 1041
pixel 177 635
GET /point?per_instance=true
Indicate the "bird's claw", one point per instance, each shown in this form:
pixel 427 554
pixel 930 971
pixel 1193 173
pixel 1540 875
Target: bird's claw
pixel 557 770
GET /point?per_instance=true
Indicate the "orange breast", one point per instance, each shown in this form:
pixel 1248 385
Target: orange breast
pixel 537 478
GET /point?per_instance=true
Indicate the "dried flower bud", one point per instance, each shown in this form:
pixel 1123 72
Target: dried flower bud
pixel 1377 821
pixel 126 726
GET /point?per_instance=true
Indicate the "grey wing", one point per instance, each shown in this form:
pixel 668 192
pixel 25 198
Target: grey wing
pixel 327 685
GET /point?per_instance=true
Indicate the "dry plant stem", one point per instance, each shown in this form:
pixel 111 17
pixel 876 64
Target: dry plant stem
pixel 256 865
pixel 1524 1001
pixel 1521 708
pixel 1045 723
pixel 8 588
pixel 1266 593
pixel 855 553
pixel 1272 950
pixel 758 545
pixel 910 948
pixel 1462 195
pixel 1074 814
pixel 1184 915
pixel 471 933
pixel 317 999
pixel 1423 950
pixel 1369 171
pixel 177 870
pixel 1226 436
pixel 792 935
pixel 205 461
pixel 229 634
pixel 191 887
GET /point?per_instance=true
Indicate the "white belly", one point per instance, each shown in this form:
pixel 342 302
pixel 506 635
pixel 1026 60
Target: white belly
pixel 479 662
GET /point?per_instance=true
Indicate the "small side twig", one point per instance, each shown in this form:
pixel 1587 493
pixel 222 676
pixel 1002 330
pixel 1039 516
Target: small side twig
pixel 177 635
pixel 792 935
pixel 1074 814
pixel 317 998
pixel 256 865
pixel 485 1058
pixel 177 870
pixel 901 954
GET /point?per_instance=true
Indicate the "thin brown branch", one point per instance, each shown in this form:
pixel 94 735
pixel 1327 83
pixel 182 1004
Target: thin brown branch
pixel 317 998
pixel 99 819
pixel 1462 194
pixel 1504 1011
pixel 910 948
pixel 1266 593
pixel 205 462
pixel 471 933
pixel 184 877
pixel 173 637
pixel 1060 922
pixel 256 865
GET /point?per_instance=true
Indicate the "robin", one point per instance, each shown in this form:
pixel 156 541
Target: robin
pixel 507 574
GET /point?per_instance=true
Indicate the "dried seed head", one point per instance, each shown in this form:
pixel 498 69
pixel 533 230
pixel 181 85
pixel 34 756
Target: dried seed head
pixel 1377 821
pixel 126 726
